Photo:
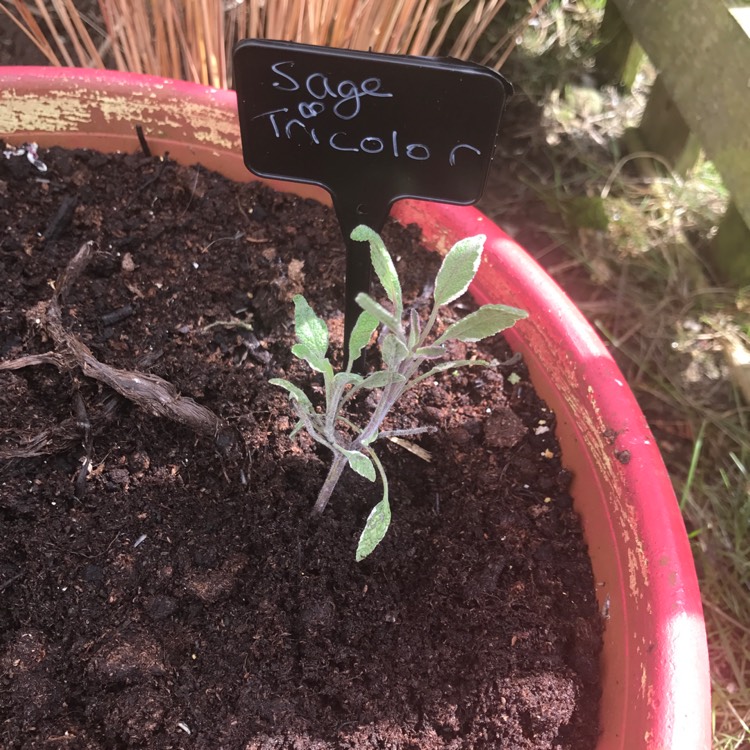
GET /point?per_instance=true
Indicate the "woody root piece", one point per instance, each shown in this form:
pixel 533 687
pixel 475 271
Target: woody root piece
pixel 150 392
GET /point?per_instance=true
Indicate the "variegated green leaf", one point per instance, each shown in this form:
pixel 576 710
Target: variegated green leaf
pixel 360 463
pixel 369 305
pixel 361 335
pixel 431 352
pixel 375 529
pixel 458 269
pixel 484 322
pixel 342 379
pixel 372 439
pixel 383 265
pixel 382 379
pixel 295 392
pixel 393 352
pixel 319 364
pixel 311 330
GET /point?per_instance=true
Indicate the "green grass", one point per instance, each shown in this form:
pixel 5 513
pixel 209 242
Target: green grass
pixel 636 241
pixel 719 503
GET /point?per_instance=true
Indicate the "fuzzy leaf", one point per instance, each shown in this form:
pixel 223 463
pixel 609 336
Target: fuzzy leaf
pixel 431 352
pixel 296 393
pixel 458 269
pixel 393 352
pixel 361 335
pixel 296 429
pixel 311 330
pixel 319 364
pixel 372 439
pixel 486 321
pixel 382 379
pixel 375 529
pixel 383 265
pixel 359 463
pixel 369 305
pixel 345 378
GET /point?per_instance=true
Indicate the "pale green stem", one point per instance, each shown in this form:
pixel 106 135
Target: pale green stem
pixel 381 471
pixel 309 424
pixel 428 327
pixel 389 397
pixel 334 474
pixel 332 409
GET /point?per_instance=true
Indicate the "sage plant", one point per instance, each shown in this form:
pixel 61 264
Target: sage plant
pixel 406 346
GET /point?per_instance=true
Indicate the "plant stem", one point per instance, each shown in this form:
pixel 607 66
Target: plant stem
pixel 332 410
pixel 428 327
pixel 334 473
pixel 389 397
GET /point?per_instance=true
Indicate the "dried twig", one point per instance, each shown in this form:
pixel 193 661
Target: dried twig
pixel 152 393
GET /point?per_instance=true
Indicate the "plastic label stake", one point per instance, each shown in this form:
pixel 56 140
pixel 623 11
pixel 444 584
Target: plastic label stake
pixel 369 128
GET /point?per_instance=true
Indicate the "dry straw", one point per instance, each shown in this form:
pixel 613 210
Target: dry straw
pixel 193 39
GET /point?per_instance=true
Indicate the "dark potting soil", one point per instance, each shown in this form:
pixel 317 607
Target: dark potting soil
pixel 162 584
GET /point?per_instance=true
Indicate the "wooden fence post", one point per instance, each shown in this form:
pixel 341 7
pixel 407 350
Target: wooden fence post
pixel 620 56
pixel 664 131
pixel 730 250
pixel 701 49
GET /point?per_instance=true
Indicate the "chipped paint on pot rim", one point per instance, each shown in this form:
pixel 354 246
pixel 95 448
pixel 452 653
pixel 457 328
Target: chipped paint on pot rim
pixel 654 635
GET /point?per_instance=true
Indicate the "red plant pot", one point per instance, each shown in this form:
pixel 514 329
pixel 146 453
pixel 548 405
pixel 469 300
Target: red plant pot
pixel 656 693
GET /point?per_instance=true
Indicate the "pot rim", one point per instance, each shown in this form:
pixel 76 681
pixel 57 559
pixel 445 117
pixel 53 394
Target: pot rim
pixel 655 665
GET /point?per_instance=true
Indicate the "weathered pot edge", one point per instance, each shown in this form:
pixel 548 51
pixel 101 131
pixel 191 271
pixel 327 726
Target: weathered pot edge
pixel 655 662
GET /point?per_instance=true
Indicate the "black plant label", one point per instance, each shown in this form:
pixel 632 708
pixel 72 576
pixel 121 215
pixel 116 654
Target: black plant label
pixel 369 126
